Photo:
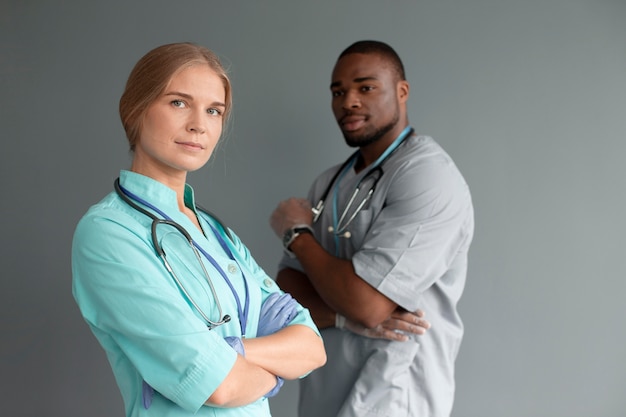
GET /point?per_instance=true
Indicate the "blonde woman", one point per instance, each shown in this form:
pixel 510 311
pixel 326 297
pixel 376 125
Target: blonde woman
pixel 190 323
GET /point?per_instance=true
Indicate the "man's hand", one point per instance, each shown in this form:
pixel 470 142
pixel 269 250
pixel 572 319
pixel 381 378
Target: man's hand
pixel 396 327
pixel 289 213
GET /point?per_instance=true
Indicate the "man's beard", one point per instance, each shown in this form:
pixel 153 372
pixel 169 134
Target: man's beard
pixel 370 137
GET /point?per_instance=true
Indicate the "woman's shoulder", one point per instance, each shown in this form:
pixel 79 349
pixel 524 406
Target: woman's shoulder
pixel 109 213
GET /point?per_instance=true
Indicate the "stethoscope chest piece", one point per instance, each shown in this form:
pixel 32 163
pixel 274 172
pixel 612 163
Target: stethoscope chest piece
pixel 345 234
pixel 133 200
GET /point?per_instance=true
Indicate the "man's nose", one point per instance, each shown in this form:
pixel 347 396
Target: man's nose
pixel 351 100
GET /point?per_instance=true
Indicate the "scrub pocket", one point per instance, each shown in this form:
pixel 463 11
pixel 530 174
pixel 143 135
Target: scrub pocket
pixel 384 384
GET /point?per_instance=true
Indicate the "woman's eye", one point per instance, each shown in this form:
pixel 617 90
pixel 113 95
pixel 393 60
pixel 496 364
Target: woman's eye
pixel 214 112
pixel 178 103
pixel 367 88
pixel 337 93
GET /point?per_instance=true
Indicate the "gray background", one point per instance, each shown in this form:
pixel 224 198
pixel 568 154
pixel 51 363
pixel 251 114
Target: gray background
pixel 527 96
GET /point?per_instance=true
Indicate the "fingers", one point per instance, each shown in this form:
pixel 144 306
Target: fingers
pixel 393 335
pixel 277 311
pixel 423 324
pixel 380 332
pixel 416 317
pixel 418 328
pixel 289 213
pixel 403 314
pixel 276 303
pixel 420 321
pixel 399 326
pixel 410 322
pixel 282 299
pixel 303 203
pixel 271 303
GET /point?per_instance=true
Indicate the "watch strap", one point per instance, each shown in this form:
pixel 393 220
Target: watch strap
pixel 292 233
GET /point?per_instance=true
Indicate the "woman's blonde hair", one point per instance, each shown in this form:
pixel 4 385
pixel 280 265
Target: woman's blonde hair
pixel 151 75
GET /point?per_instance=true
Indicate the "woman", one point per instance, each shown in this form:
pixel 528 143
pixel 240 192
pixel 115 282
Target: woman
pixel 190 323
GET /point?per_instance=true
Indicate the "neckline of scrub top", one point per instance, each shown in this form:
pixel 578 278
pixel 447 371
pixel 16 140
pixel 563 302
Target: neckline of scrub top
pixel 379 161
pixel 243 312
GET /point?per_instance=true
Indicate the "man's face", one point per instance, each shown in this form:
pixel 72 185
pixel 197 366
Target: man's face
pixel 366 102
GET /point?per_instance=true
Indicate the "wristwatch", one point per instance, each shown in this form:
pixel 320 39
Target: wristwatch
pixel 292 233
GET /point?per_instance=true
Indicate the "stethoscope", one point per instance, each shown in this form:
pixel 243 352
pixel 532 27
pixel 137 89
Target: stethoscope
pixel 340 225
pixel 128 198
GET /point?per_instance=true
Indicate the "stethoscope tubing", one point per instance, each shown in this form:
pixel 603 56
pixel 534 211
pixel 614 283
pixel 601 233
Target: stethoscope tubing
pixel 339 227
pixel 162 255
pixel 128 196
pixel 363 202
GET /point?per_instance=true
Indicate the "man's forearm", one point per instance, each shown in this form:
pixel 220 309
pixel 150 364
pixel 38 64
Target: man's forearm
pixel 339 286
pixel 298 285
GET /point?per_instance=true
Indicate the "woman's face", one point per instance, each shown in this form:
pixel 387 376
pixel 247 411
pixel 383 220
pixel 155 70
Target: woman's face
pixel 182 126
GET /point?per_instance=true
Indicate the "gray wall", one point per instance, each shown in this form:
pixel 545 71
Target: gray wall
pixel 527 96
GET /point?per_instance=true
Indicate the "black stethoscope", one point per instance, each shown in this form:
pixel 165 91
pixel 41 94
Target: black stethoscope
pixel 128 198
pixel 376 172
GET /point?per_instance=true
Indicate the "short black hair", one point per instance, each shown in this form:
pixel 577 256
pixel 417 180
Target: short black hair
pixel 378 48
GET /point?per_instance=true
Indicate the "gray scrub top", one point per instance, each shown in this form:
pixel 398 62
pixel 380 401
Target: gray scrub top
pixel 410 242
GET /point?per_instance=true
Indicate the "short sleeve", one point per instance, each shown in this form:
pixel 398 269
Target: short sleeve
pixel 426 219
pixel 139 315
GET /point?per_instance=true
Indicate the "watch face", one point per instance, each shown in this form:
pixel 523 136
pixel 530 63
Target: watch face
pixel 287 237
pixel 291 234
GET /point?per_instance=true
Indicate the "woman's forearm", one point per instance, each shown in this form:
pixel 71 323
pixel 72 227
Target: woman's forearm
pixel 289 353
pixel 246 383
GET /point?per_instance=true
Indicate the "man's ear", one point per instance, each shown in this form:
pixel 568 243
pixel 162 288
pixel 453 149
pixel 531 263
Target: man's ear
pixel 403 89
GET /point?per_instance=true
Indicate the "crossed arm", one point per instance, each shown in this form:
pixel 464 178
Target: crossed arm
pixel 398 319
pixel 330 286
pixel 289 353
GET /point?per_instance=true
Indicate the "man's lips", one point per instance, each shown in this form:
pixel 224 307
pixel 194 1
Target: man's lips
pixel 352 122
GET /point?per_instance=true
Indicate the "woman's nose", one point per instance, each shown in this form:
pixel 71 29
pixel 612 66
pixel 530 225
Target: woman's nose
pixel 196 124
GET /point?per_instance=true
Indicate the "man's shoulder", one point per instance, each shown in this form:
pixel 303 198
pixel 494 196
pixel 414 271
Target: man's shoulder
pixel 425 148
pixel 425 164
pixel 422 153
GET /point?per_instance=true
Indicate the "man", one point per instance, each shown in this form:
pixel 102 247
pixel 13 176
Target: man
pixel 363 264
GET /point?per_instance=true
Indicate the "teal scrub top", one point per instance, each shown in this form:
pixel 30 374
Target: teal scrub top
pixel 147 327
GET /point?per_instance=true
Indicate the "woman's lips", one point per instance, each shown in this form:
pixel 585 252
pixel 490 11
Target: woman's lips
pixel 192 145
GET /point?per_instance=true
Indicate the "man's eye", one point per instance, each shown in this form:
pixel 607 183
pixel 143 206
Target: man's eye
pixel 337 93
pixel 367 88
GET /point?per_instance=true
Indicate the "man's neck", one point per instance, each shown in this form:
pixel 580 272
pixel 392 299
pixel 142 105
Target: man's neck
pixel 370 153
